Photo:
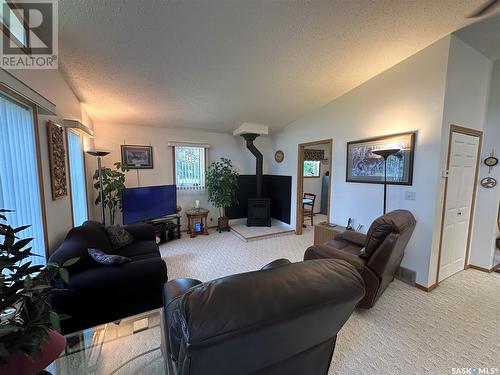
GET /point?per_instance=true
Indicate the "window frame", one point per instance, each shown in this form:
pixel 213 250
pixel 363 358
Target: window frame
pixel 4 90
pixel 174 177
pixel 319 169
pixel 67 130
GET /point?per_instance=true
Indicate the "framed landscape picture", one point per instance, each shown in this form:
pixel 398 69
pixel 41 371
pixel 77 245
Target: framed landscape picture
pixel 366 167
pixel 137 157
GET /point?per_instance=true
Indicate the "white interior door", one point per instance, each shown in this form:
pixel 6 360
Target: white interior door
pixel 459 194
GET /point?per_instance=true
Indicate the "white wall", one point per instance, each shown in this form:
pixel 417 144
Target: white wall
pixel 314 185
pixel 487 203
pixel 111 136
pixel 407 97
pixel 51 85
pixel 466 100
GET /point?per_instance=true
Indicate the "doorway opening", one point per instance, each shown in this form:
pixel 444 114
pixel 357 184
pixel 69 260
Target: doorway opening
pixel 462 168
pixel 314 182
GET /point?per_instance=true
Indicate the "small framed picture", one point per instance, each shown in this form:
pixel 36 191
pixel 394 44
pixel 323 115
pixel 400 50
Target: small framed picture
pixel 137 157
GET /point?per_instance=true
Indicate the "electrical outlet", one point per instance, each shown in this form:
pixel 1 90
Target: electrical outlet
pixel 410 195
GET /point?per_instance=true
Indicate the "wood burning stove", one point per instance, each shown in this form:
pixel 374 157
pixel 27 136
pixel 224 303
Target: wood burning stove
pixel 259 208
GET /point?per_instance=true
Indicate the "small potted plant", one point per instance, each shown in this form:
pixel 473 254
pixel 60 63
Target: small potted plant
pixel 222 184
pixel 29 340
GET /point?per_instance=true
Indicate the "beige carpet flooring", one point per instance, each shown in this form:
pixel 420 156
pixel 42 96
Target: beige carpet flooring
pixel 407 332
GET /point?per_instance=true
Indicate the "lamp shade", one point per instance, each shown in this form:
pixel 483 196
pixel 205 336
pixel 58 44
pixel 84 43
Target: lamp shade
pixel 98 152
pixel 386 152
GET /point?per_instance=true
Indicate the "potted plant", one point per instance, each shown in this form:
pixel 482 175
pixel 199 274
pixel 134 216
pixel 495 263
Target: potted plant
pixel 113 182
pixel 222 184
pixel 29 340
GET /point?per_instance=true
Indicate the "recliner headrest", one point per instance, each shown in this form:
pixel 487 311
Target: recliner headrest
pixel 393 222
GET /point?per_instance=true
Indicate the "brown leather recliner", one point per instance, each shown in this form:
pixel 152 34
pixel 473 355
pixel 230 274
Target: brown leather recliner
pixel 281 320
pixel 376 255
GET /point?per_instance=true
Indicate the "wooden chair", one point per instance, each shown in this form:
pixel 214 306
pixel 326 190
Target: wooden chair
pixel 308 201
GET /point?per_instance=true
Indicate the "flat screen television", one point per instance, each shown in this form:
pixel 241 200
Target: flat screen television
pixel 147 203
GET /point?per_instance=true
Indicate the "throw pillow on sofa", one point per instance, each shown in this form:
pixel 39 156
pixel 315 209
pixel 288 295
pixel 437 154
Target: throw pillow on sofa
pixel 119 237
pixel 106 259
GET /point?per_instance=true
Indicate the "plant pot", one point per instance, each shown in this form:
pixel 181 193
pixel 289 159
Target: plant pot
pixel 223 224
pixel 19 363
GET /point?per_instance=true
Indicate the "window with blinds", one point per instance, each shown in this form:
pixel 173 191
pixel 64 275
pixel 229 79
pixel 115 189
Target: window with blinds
pixel 77 178
pixel 19 182
pixel 189 167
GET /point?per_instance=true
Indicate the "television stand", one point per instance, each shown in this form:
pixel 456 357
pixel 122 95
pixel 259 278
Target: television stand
pixel 165 227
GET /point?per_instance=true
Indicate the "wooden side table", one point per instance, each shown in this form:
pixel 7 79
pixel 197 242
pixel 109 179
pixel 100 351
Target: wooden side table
pixel 194 215
pixel 325 232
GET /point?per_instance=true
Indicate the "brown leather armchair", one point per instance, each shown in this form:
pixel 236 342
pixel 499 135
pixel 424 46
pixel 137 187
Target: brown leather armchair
pixel 281 320
pixel 376 255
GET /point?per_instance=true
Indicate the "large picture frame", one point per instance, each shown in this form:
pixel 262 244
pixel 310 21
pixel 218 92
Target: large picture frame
pixel 365 167
pixel 137 157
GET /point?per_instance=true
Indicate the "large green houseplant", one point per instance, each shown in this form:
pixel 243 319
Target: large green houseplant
pixel 113 182
pixel 28 324
pixel 222 184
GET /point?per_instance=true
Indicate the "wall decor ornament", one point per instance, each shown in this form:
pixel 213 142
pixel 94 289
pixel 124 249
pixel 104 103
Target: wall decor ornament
pixel 137 157
pixel 279 156
pixel 57 159
pixel 488 182
pixel 362 165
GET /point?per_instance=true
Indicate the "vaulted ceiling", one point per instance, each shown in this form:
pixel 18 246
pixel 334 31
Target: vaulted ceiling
pixel 213 64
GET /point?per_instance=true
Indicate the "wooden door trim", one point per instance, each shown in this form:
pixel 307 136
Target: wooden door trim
pixel 300 180
pixel 474 133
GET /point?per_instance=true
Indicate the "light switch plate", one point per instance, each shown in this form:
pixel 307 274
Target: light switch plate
pixel 410 195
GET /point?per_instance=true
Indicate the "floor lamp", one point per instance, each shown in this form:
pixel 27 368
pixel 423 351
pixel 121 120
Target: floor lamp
pixel 99 155
pixel 385 153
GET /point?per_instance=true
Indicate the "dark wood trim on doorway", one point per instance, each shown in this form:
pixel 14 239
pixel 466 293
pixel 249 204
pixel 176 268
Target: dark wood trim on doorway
pixel 474 133
pixel 300 180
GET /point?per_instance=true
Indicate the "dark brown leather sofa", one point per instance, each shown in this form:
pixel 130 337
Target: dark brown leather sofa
pixel 281 320
pixel 376 255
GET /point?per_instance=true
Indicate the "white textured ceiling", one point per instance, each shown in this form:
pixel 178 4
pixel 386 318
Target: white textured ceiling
pixel 484 36
pixel 214 64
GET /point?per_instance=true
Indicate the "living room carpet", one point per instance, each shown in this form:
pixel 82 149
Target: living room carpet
pixel 408 331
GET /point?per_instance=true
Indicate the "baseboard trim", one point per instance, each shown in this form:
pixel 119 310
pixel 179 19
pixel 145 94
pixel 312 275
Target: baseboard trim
pixel 482 269
pixel 425 288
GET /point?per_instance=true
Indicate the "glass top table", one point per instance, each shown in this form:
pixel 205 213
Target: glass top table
pixel 132 345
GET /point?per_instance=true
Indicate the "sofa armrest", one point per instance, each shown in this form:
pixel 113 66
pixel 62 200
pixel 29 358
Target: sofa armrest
pixel 356 238
pixel 176 288
pixel 275 264
pixel 172 294
pixel 142 232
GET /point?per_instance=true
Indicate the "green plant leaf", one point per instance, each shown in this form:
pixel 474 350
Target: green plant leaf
pixel 64 275
pixel 70 262
pixel 6 329
pixel 54 320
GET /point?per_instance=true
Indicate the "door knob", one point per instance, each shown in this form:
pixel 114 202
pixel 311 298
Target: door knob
pixel 459 213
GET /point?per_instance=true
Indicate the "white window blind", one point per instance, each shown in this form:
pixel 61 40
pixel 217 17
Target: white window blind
pixel 189 167
pixel 77 178
pixel 19 184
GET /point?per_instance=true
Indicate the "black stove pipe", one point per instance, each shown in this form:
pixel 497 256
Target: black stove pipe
pixel 249 138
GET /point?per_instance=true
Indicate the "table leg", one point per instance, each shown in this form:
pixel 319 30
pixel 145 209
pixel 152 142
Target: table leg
pixel 205 229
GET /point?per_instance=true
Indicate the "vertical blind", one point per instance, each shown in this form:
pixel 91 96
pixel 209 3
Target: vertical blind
pixel 189 167
pixel 77 178
pixel 19 184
